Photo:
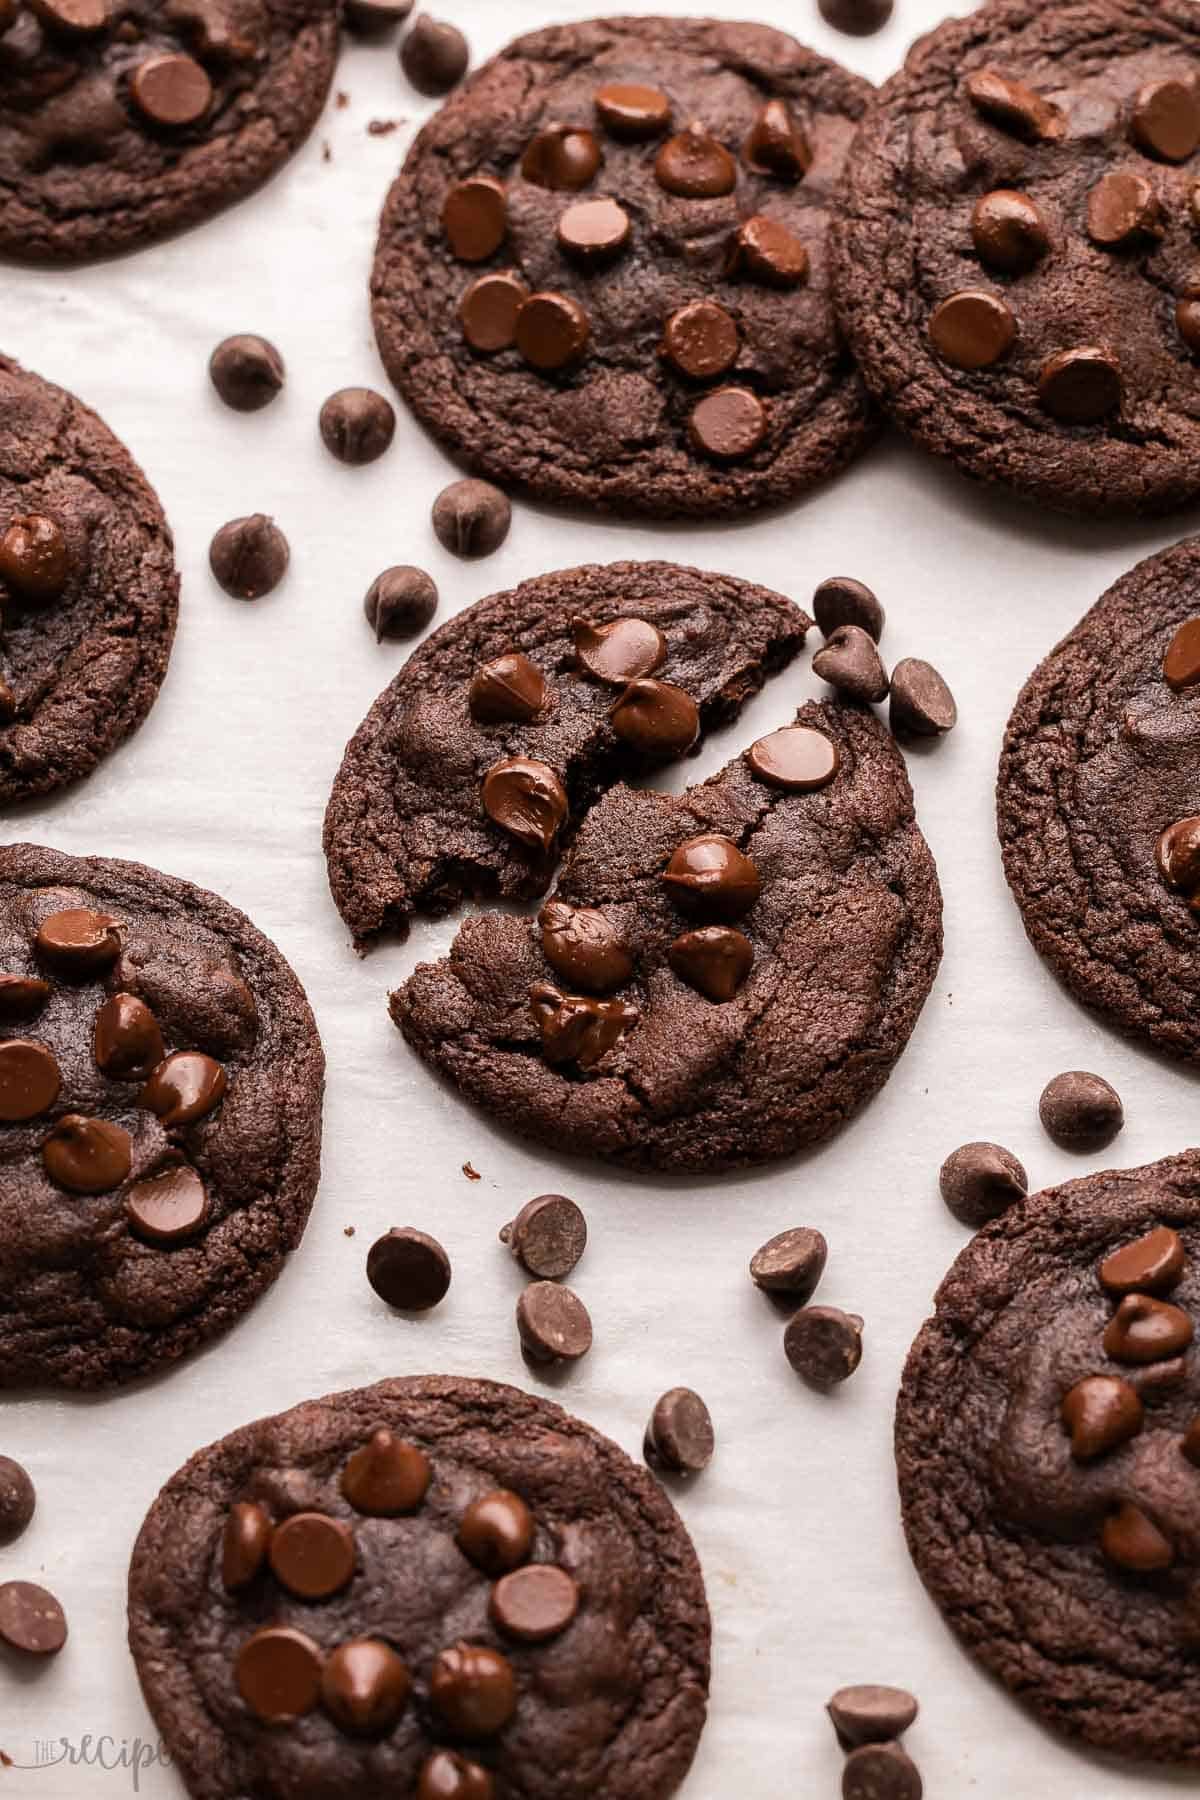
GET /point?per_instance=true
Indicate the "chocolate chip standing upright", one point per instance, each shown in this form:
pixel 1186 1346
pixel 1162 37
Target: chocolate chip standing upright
pixel 357 425
pixel 978 1181
pixel 249 557
pixel 400 602
pixel 679 1437
pixel 791 1263
pixel 247 372
pixel 434 56
pixel 409 1269
pixel 1081 1111
pixel 852 665
pixel 471 518
pixel 841 600
pixel 553 1323
pixel 921 702
pixel 548 1236
pixel 17 1499
pixel 823 1344
pixel 871 1714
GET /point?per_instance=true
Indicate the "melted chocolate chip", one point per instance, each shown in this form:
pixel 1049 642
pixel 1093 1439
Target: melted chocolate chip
pixel 1123 209
pixel 562 157
pixel 709 875
pixel 1101 1412
pixel 184 1087
pixel 1080 387
pixel 1145 1330
pixel 777 144
pixel 583 946
pixel 656 718
pixel 496 1532
pixel 768 252
pixel 621 651
pixel 79 943
pixel 474 1690
pixel 534 1604
pixel 365 1687
pixel 701 340
pixel 1013 106
pixel 694 165
pixel 728 424
pixel 22 997
pixel 168 1208
pixel 1165 121
pixel 312 1555
pixel 1008 231
pixel 87 1156
pixel 278 1674
pixel 34 560
pixel 386 1477
pixel 508 690
pixel 630 110
pixel 973 329
pixel 525 798
pixel 715 960
pixel 488 311
pixel 1181 664
pixel 552 331
pixel 126 1039
pixel 475 217
pixel 548 1236
pixel 1134 1542
pixel 796 758
pixel 575 1028
pixel 593 231
pixel 30 1080
pixel 449 1776
pixel 1152 1264
pixel 1177 853
pixel 244 1544
pixel 171 90
pixel 553 1323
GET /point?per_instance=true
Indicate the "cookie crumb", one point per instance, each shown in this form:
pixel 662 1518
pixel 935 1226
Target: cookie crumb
pixel 470 1173
pixel 347 1230
pixel 382 127
pixel 342 99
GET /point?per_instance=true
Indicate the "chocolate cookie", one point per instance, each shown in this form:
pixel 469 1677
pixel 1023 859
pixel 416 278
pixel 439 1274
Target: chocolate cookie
pixel 160 1117
pixel 1015 267
pixel 1099 797
pixel 478 763
pixel 602 274
pixel 1049 1454
pixel 720 977
pixel 87 585
pixel 432 1587
pixel 121 123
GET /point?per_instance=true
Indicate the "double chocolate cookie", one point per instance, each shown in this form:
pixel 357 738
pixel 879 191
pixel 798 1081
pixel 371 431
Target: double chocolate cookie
pixel 1048 1442
pixel 603 273
pixel 160 1117
pixel 88 588
pixel 124 120
pixel 1016 265
pixel 1099 804
pixel 476 765
pixel 720 977
pixel 432 1587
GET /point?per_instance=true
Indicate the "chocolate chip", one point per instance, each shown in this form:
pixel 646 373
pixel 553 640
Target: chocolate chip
pixel 656 718
pixel 621 651
pixel 768 252
pixel 552 331
pixel 448 1776
pixel 496 1532
pixel 548 1236
pixel 729 424
pixel 74 18
pixel 1166 120
pixel 823 1344
pixel 34 560
pixel 871 1715
pixel 1177 853
pixel 575 1028
pixel 709 875
pixel 840 600
pixel 183 1088
pixel 796 758
pixel 126 1039
pixel 593 231
pixel 583 946
pixel 1123 209
pixel 471 518
pixel 701 340
pixel 1132 1541
pixel 1190 1443
pixel 1079 387
pixel 357 425
pixel 525 798
pixel 562 158
pixel 312 1555
pixel 715 960
pixel 244 1544
pixel 168 1208
pixel 1081 1111
pixel 979 1181
pixel 400 602
pixel 78 942
pixel 694 165
pixel 776 144
pixel 29 1080
pixel 1152 1264
pixel 553 1323
pixel 851 664
pixel 628 109
pixel 365 1687
pixel 973 329
pixel 434 56
pixel 22 997
pixel 473 1689
pixel 408 1269
pixel 1013 106
pixel 679 1437
pixel 246 371
pixel 921 702
pixel 1008 231
pixel 534 1604
pixel 881 1772
pixel 17 1500
pixel 488 311
pixel 386 1477
pixel 1145 1330
pixel 1181 664
pixel 249 557
pixel 475 217
pixel 1101 1412
pixel 171 90
pixel 792 1263
pixel 278 1674
pixel 1187 322
pixel 31 1619
pixel 508 690
pixel 857 18
pixel 371 18
pixel 87 1156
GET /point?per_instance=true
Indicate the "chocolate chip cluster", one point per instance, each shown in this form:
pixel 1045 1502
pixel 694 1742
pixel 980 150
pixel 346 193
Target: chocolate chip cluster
pixel 35 568
pixel 468 1694
pixel 1178 848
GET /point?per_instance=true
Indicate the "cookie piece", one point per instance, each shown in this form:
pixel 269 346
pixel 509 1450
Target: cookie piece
pixel 1015 264
pixel 160 1117
pixel 749 959
pixel 546 674
pixel 511 1591
pixel 602 275
pixel 122 124
pixel 87 583
pixel 1048 1479
pixel 1097 793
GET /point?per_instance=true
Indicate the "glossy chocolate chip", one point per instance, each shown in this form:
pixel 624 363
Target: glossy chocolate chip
pixel 1152 1264
pixel 312 1555
pixel 357 425
pixel 365 1687
pixel 715 960
pixel 841 600
pixel 921 702
pixel 552 331
pixel 1080 387
pixel 593 231
pixel 777 144
pixel 409 1269
pixel 1008 231
pixel 767 252
pixel 18 1500
pixel 979 1181
pixel 973 329
pixel 1013 106
pixel 797 758
pixel 471 518
pixel 583 946
pixel 244 1543
pixel 1165 121
pixel 656 718
pixel 184 1087
pixel 553 1323
pixel 496 1532
pixel 1101 1412
pixel 371 18
pixel 434 56
pixel 34 560
pixel 1177 854
pixel 870 1714
pixel 87 1156
pixel 548 1236
pixel 562 157
pixel 1187 322
pixel 701 340
pixel 852 665
pixel 74 18
pixel 1145 1330
pixel 525 798
pixel 30 1080
pixel 694 165
pixel 400 602
pixel 1189 1444
pixel 728 424
pixel 249 557
pixel 386 1477
pixel 78 943
pixel 1081 1111
pixel 449 1776
pixel 278 1674
pixel 534 1604
pixel 475 217
pixel 709 875
pixel 474 1690
pixel 171 90
pixel 628 109
pixel 823 1344
pixel 126 1039
pixel 247 372
pixel 1181 664
pixel 1123 209
pixel 857 18
pixel 488 311
pixel 1134 1542
pixel 791 1263
pixel 680 1436
pixel 619 652
pixel 508 690
pixel 22 997
pixel 31 1619
pixel 575 1028
pixel 168 1208
pixel 881 1772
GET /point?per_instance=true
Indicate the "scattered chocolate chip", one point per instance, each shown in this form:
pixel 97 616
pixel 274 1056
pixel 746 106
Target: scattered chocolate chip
pixel 656 718
pixel 1008 231
pixel 31 1619
pixel 496 1532
pixel 1166 120
pixel 244 1544
pixel 562 158
pixel 715 960
pixel 553 1323
pixel 1181 664
pixel 593 231
pixel 1101 1412
pixel 1080 387
pixel 357 425
pixel 629 110
pixel 694 165
pixel 1132 1541
pixel 728 424
pixel 371 18
pixel 621 651
pixel 246 371
pixel 474 1690
pixel 791 1263
pixel 881 1772
pixel 17 1500
pixel 1123 209
pixel 22 997
pixel 582 945
pixel 534 1604
pixel 249 557
pixel 126 1039
pixel 871 1715
pixel 575 1028
pixel 488 311
pixel 1081 1111
pixel 857 18
pixel 365 1687
pixel 448 1776
pixel 840 600
pixel 777 144
pixel 552 331
pixel 1145 1330
pixel 434 56
pixel 973 329
pixel 278 1674
pixel 1152 1264
pixel 408 1269
pixel 701 340
pixel 1013 106
pixel 87 1156
pixel 508 690
pixel 168 1208
pixel 823 1344
pixel 312 1554
pixel 475 217
pixel 709 875
pixel 471 518
pixel 400 602
pixel 386 1477
pixel 34 560
pixel 679 1437
pixel 29 1080
pixel 921 702
pixel 851 664
pixel 171 90
pixel 796 758
pixel 548 1236
pixel 979 1181
pixel 525 798
pixel 184 1087
pixel 78 942
pixel 768 252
